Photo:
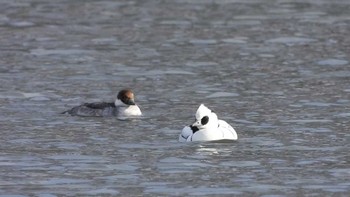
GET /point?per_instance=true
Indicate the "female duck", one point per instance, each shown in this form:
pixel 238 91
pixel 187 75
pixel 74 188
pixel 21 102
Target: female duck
pixel 124 106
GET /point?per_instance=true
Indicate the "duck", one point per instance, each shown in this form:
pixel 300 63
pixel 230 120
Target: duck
pixel 124 107
pixel 207 127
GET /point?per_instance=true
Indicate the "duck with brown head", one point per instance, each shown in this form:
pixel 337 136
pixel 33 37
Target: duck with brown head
pixel 124 106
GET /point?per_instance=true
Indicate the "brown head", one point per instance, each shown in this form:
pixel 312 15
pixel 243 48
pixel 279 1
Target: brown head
pixel 126 96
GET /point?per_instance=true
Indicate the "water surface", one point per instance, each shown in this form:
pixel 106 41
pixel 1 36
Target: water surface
pixel 278 71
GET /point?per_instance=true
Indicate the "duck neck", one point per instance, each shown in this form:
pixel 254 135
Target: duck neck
pixel 119 103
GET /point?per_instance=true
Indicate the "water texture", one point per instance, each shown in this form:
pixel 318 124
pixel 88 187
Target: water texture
pixel 278 71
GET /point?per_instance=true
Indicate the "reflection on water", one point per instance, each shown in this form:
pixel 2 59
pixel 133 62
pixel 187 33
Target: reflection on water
pixel 277 71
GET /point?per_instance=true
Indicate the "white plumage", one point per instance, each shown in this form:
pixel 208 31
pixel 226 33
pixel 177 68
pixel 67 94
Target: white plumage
pixel 207 128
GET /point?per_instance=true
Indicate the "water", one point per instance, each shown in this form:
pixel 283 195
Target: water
pixel 278 71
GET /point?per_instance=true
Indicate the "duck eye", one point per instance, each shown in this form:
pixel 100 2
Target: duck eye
pixel 204 120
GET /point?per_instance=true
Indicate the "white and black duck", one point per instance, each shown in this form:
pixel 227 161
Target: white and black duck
pixel 124 106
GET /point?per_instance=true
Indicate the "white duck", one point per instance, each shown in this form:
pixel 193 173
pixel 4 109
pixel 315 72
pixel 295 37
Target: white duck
pixel 207 128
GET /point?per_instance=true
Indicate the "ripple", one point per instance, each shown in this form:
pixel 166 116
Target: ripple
pixel 340 172
pixel 291 40
pixel 340 74
pixel 203 42
pixel 122 167
pixel 332 62
pixel 264 188
pixel 154 73
pixel 43 52
pixel 222 94
pixel 330 188
pixel 243 121
pixel 173 165
pixel 307 148
pixel 31 95
pixel 22 24
pixel 241 40
pixel 343 115
pixel 104 41
pixel 77 158
pixel 185 162
pixel 147 53
pixel 304 121
pixel 200 64
pixel 319 104
pixel 46 195
pixel 103 191
pixel 40 98
pixel 199 191
pixel 241 164
pixel 176 22
pixel 62 181
pixel 267 55
pixel 243 22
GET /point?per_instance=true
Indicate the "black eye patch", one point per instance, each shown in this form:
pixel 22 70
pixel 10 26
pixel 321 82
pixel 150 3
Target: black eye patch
pixel 204 120
pixel 194 129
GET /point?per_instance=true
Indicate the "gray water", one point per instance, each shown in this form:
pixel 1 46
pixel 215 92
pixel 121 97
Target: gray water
pixel 277 70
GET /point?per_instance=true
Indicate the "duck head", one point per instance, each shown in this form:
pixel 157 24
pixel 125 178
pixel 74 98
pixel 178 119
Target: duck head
pixel 125 97
pixel 205 118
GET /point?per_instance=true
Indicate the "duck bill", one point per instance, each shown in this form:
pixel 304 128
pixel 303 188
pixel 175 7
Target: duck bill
pixel 194 128
pixel 130 102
